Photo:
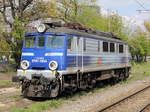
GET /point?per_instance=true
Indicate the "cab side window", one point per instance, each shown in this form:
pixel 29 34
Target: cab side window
pixel 70 44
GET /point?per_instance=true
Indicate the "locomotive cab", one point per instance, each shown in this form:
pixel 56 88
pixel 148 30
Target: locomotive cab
pixel 42 52
pixel 43 55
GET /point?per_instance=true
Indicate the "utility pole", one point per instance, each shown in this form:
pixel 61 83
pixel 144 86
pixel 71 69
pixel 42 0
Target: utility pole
pixel 143 10
pixel 109 14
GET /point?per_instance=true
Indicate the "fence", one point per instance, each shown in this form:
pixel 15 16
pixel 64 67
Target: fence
pixel 7 62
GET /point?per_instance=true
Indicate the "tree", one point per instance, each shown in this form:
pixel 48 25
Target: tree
pixel 147 25
pixel 66 10
pixel 4 46
pixel 116 24
pixel 18 32
pixel 90 17
pixel 140 46
pixel 20 12
pixel 17 8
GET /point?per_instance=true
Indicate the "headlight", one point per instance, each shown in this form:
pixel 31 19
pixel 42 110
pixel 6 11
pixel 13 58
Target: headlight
pixel 25 64
pixel 53 65
pixel 41 28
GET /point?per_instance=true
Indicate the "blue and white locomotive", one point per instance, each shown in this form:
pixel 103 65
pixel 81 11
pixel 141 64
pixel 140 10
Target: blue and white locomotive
pixel 59 58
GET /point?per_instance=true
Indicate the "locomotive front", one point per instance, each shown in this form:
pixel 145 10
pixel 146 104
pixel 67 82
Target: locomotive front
pixel 43 56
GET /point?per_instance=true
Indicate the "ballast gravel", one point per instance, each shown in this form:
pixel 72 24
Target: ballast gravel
pixel 98 100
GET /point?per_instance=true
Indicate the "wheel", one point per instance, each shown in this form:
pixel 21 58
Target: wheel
pixel 55 89
pixel 113 81
pixel 127 74
pixel 121 77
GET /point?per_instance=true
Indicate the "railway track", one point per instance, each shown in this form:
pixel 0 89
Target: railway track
pixel 110 107
pixel 6 86
pixel 145 108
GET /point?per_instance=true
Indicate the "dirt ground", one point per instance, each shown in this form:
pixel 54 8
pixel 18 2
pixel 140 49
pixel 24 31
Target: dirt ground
pixel 132 104
pixel 11 97
pixel 99 100
pixel 6 76
pixel 9 94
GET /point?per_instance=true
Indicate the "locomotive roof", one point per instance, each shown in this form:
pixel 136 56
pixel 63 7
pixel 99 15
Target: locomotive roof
pixel 98 34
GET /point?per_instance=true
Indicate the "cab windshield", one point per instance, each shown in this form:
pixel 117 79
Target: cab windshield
pixel 39 42
pixel 29 42
pixel 55 42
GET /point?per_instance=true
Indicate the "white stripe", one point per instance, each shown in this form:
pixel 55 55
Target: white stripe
pixel 109 55
pixel 27 54
pixel 53 54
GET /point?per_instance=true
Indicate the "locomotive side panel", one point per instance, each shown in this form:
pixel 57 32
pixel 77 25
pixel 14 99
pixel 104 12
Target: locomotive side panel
pixel 88 54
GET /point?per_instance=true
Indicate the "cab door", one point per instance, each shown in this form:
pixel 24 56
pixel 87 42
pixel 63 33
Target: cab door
pixel 79 52
pixel 75 53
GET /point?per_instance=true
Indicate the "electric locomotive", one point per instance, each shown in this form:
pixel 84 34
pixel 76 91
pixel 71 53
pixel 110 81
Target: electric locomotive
pixel 57 58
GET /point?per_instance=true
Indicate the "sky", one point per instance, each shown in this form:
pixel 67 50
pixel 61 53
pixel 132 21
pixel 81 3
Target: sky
pixel 128 8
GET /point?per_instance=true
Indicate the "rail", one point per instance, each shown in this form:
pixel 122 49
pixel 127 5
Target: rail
pixel 145 107
pixel 118 102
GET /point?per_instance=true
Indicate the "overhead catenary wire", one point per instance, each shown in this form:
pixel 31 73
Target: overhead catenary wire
pixel 142 6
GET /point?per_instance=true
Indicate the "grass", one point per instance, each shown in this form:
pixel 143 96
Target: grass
pixel 16 97
pixel 5 82
pixel 40 106
pixel 138 71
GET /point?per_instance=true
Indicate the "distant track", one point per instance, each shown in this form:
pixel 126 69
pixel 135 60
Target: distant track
pixel 126 98
pixel 6 86
pixel 144 108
